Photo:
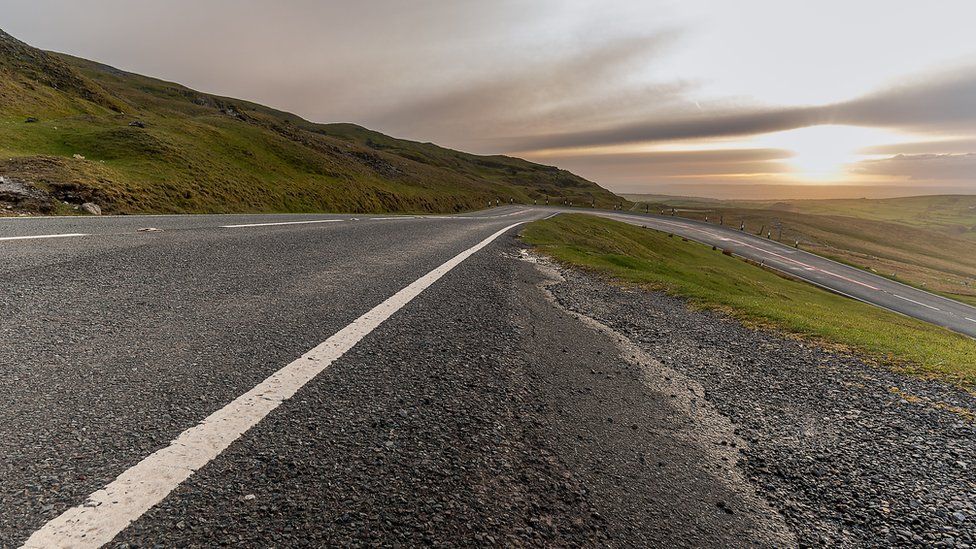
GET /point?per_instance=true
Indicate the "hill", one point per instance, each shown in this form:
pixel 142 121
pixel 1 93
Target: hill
pixel 74 131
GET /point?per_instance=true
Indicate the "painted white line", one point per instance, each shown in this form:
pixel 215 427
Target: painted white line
pixel 66 235
pixel 110 510
pixel 970 319
pixel 519 212
pixel 280 223
pixel 917 302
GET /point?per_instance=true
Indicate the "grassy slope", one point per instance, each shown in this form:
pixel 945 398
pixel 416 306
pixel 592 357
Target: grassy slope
pixel 710 279
pixel 202 153
pixel 898 238
pixel 949 214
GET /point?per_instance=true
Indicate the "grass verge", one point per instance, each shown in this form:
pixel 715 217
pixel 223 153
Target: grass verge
pixel 709 279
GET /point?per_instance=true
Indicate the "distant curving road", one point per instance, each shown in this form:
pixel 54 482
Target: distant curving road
pixel 823 272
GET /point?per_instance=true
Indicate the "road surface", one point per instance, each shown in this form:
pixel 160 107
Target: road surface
pixel 327 379
pixel 281 380
pixel 837 277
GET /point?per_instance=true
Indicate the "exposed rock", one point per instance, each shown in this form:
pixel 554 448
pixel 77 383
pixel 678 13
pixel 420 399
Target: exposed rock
pixel 91 208
pixel 137 124
pixel 77 156
pixel 15 194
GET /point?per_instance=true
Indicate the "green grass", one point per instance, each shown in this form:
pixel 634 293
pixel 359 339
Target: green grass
pixel 754 295
pixel 934 256
pixel 201 153
pixel 949 214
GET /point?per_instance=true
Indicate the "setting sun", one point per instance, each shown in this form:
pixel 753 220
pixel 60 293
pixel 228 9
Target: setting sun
pixel 823 153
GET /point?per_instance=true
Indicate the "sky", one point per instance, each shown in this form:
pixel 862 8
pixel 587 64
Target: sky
pixel 745 99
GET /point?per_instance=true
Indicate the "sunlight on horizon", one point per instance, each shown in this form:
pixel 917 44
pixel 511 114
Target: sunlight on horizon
pixel 814 155
pixel 823 153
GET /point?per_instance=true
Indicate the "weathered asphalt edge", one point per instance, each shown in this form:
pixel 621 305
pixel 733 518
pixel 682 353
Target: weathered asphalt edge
pixel 712 430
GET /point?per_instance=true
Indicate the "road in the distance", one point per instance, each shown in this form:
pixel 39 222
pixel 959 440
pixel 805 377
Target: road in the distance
pixel 844 279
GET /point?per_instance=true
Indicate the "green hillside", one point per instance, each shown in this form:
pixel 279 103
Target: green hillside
pixel 134 144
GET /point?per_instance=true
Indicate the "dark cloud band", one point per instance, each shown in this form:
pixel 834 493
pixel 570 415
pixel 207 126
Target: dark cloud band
pixel 943 104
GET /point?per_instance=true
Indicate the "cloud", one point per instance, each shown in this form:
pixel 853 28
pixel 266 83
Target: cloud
pixel 658 165
pixel 702 125
pixel 923 167
pixel 942 103
pixel 943 146
pixel 576 88
pixel 766 191
pixel 710 156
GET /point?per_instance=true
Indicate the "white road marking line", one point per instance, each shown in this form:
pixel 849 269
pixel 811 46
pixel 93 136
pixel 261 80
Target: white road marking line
pixel 513 213
pixel 917 302
pixel 110 510
pixel 970 319
pixel 280 223
pixel 66 235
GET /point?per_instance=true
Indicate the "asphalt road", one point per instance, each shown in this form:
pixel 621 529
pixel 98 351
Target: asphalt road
pixel 338 379
pixel 837 277
pixel 330 379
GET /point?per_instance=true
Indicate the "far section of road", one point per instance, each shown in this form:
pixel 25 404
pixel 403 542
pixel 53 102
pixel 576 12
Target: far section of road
pixel 837 277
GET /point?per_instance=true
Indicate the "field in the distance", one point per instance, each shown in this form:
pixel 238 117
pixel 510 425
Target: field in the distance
pixel 925 241
pixel 755 295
